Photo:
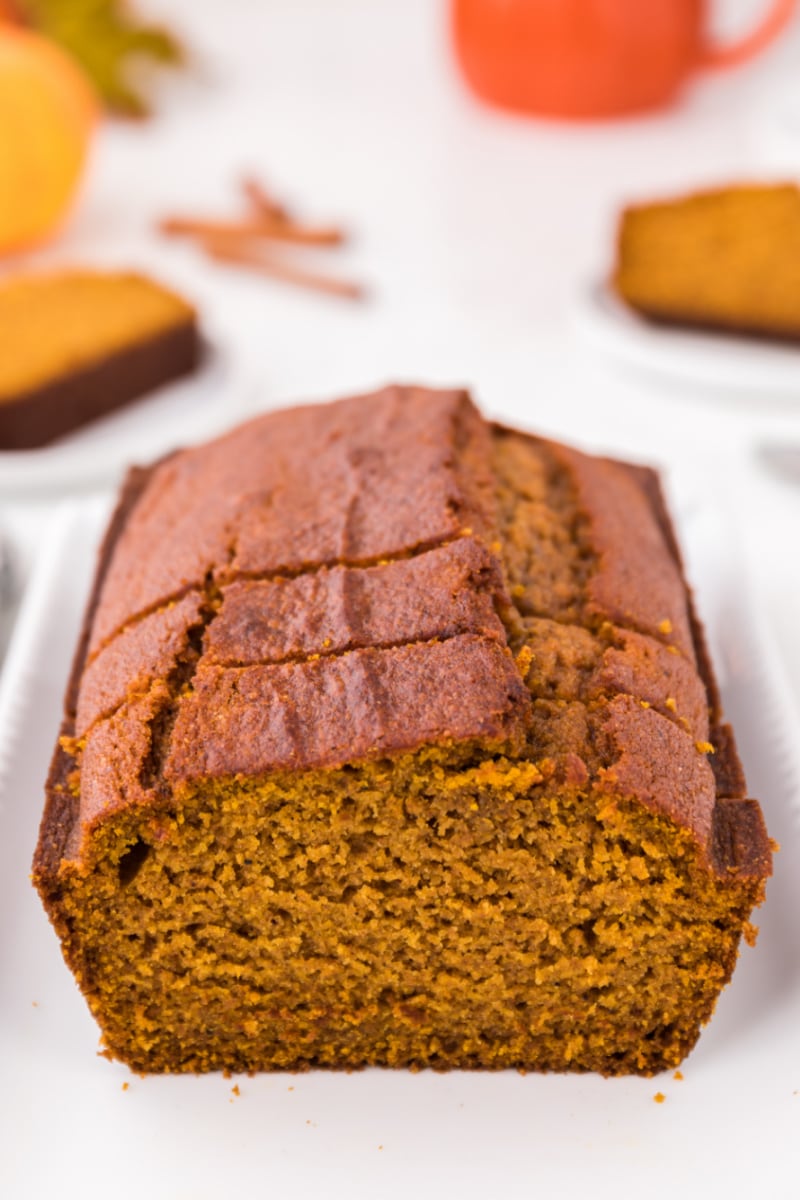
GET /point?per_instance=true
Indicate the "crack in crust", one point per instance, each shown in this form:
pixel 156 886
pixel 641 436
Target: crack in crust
pixel 179 680
pixel 225 577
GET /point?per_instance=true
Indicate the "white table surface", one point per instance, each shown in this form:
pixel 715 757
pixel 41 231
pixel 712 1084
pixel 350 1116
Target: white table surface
pixel 477 234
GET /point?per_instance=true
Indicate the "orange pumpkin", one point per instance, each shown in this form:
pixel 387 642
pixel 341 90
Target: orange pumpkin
pixel 47 112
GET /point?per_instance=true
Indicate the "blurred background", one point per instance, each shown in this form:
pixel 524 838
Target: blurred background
pixel 356 110
pixel 482 236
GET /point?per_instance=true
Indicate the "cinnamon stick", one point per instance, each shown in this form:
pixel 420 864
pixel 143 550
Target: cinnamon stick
pixel 240 253
pixel 257 227
pixel 263 204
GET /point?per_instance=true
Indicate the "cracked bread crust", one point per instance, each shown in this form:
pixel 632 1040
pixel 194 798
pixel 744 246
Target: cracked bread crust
pixel 532 612
pixel 441 563
pixel 353 483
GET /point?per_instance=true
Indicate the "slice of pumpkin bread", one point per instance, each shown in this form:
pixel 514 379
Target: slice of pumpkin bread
pixel 77 344
pixel 725 259
pixel 392 740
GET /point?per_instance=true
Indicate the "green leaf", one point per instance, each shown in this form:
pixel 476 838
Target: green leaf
pixel 106 39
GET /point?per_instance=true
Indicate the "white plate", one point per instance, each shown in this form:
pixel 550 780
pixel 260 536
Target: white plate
pixel 189 410
pixel 738 365
pixel 67 1127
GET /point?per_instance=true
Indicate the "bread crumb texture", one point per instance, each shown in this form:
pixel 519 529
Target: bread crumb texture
pixel 341 784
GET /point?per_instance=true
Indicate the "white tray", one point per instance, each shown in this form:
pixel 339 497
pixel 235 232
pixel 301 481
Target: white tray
pixel 69 1126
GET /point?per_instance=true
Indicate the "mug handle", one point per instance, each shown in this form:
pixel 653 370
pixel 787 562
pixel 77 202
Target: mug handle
pixel 775 19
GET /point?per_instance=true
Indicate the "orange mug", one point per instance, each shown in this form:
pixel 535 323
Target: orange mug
pixel 592 58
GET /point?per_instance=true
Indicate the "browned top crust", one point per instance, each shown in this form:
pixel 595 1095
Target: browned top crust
pixel 638 584
pixel 333 584
pixel 349 483
pixel 363 704
pixel 453 589
pixel 656 765
pixel 142 652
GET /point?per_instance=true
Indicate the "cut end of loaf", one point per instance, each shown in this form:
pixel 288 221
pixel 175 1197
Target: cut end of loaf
pixel 441 910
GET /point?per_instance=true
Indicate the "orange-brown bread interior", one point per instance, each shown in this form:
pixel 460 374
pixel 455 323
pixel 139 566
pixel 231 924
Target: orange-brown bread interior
pixel 392 740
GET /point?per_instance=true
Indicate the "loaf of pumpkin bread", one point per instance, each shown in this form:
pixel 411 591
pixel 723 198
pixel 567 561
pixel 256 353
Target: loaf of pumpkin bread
pixel 392 739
